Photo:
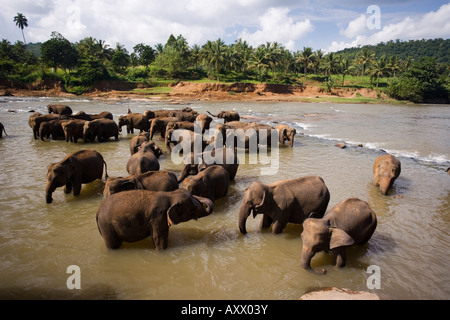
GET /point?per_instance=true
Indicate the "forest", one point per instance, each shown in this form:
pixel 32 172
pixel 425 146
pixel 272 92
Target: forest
pixel 415 70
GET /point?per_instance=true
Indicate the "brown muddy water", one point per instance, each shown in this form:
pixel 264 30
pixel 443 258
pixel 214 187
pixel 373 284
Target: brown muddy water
pixel 209 258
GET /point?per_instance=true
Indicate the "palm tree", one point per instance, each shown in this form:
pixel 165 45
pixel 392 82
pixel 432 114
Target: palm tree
pixel 214 54
pixel 366 56
pixel 317 60
pixel 379 69
pixel 331 63
pixel 306 57
pixel 394 64
pixel 346 68
pixel 260 61
pixel 22 22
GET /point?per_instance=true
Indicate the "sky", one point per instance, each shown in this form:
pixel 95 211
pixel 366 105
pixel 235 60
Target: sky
pixel 326 25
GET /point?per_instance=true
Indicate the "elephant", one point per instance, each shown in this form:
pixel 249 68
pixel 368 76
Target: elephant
pixel 286 133
pixel 182 134
pixel 204 120
pixel 52 129
pixel 166 113
pixel 211 183
pixel 144 160
pixel 160 124
pixel 227 116
pixel 248 135
pixel 81 167
pixel 386 170
pixel 137 214
pixel 151 180
pixel 73 130
pixel 134 121
pixel 89 117
pixel 102 129
pixel 225 157
pixel 2 129
pixel 59 109
pixel 284 201
pixel 351 221
pixel 136 141
pixel 36 119
pixel 183 116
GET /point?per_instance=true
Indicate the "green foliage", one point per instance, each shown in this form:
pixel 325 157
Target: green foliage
pixel 421 83
pixel 58 52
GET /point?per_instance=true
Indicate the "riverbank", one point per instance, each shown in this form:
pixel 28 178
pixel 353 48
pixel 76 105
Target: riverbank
pixel 194 91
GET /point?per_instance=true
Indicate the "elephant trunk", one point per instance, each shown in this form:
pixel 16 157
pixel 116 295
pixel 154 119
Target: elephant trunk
pixel 291 140
pixel 306 261
pixel 385 184
pixel 243 215
pixel 214 115
pixel 49 189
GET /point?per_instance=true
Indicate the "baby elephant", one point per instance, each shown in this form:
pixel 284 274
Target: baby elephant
pixel 386 170
pixel 211 183
pixel 137 214
pixel 80 167
pixel 350 222
pixel 151 180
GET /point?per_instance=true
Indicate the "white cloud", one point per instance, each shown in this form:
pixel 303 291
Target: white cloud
pixel 435 24
pixel 356 27
pixel 276 25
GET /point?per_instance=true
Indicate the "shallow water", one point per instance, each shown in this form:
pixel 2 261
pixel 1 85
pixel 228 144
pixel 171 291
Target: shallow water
pixel 209 258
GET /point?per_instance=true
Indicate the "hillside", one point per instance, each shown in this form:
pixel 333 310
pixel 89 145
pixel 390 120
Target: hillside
pixel 436 48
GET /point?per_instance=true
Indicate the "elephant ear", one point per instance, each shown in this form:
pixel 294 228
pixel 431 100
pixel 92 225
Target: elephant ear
pixel 282 135
pixel 340 238
pixel 283 197
pixel 128 185
pixel 173 215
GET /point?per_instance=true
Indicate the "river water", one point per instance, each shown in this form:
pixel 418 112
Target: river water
pixel 209 258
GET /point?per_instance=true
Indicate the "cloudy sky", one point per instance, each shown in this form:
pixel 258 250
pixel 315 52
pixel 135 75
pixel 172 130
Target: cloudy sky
pixel 326 25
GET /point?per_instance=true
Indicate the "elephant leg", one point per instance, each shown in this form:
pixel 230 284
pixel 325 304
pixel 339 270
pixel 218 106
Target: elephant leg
pixel 111 239
pixel 161 239
pixel 339 257
pixel 266 221
pixel 278 226
pixel 76 188
pixel 68 188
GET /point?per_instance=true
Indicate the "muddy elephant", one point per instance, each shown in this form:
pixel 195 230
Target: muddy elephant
pixel 134 121
pixel 283 202
pixel 183 116
pixel 185 140
pixel 77 168
pixel 36 119
pixel 211 183
pixel 227 116
pixel 386 170
pixel 286 133
pixel 151 180
pixel 136 142
pixel 52 130
pixel 160 125
pixel 194 163
pixel 102 129
pixel 244 135
pixel 59 109
pixel 134 215
pixel 349 222
pixel 144 160
pixel 73 130
pixel 2 129
pixel 89 117
pixel 204 121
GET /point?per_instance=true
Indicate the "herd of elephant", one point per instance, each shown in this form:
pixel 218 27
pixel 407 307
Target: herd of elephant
pixel 149 201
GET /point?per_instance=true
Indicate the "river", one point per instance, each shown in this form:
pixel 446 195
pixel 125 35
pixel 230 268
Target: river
pixel 209 258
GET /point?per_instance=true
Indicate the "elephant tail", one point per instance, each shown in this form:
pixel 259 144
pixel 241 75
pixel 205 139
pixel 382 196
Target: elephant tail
pixel 106 170
pixel 5 132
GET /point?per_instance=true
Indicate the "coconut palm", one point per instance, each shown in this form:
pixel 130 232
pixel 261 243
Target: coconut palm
pixel 379 69
pixel 22 22
pixel 366 57
pixel 213 54
pixel 346 68
pixel 306 57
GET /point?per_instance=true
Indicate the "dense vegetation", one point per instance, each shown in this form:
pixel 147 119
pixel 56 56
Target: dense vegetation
pixel 414 70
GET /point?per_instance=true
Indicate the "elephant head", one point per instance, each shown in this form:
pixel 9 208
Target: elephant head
pixel 204 120
pixel 386 169
pixel 319 235
pixel 123 121
pixel 287 134
pixel 152 147
pixel 89 130
pixel 186 208
pixel 58 175
pixel 256 199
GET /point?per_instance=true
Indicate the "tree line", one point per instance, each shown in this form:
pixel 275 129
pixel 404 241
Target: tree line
pixel 79 65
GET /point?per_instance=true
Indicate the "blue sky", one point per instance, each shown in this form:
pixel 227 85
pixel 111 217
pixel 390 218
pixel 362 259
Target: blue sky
pixel 326 25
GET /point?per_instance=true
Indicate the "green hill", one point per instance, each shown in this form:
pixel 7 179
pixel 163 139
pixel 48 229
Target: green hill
pixel 436 48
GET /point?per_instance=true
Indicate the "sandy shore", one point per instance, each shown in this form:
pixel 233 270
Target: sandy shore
pixel 188 91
